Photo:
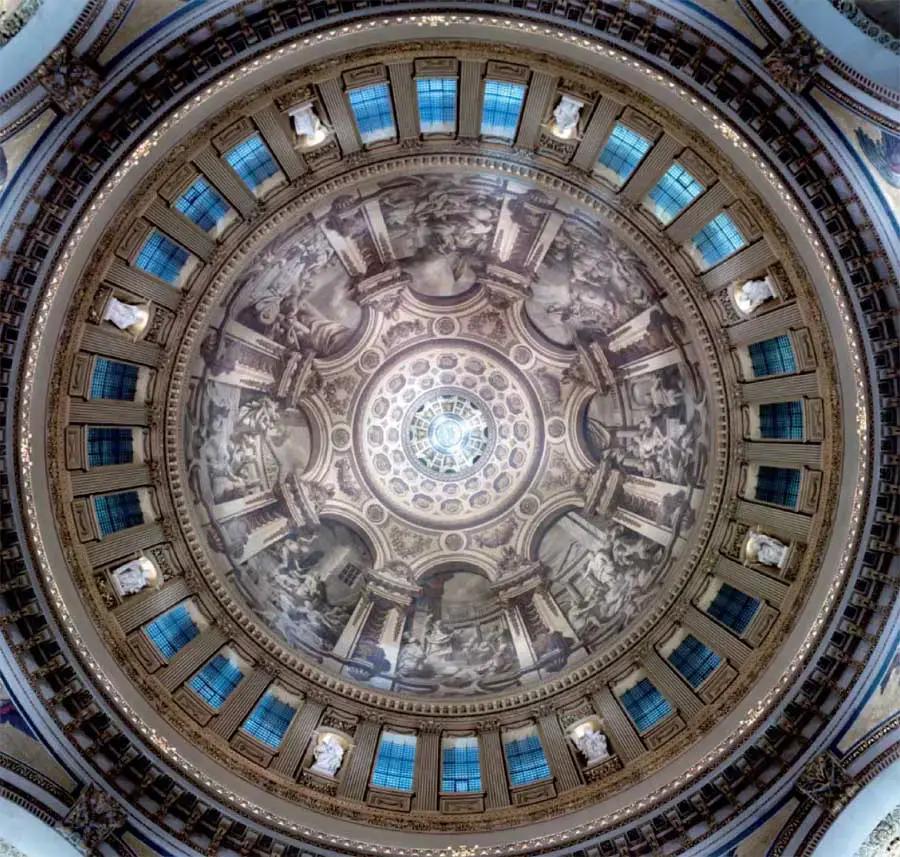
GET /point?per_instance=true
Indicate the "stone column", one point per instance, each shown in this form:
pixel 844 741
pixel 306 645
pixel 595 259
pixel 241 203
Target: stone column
pixel 698 214
pixel 493 769
pixel 671 685
pixel 427 774
pixel 137 282
pixel 742 265
pixel 293 745
pixel 130 541
pixel 142 608
pixel 226 181
pixel 108 412
pixel 780 388
pixel 766 325
pixel 751 580
pixel 406 105
pixel 621 732
pixel 778 521
pixel 556 748
pixel 106 340
pixel 179 228
pixel 537 106
pixel 521 643
pixel 355 779
pixel 652 168
pixel 236 709
pixel 719 639
pixel 109 478
pixel 780 453
pixel 188 660
pixel 338 109
pixel 470 98
pixel 271 126
pixel 595 134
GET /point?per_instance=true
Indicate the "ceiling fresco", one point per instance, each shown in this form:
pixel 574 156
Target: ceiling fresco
pixel 447 435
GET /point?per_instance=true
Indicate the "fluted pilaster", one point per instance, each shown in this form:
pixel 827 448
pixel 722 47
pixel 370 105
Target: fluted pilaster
pixel 742 265
pixel 780 388
pixel 470 95
pixel 293 745
pixel 595 133
pixel 766 325
pixel 145 606
pixel 406 105
pixel 619 729
pixel 189 659
pixel 562 765
pixel 427 776
pixel 780 453
pixel 107 412
pixel 356 777
pixel 537 106
pixel 778 521
pixel 751 580
pixel 123 543
pixel 113 477
pixel 493 769
pixel 121 274
pixel 179 228
pixel 101 339
pixel 274 132
pixel 671 685
pixel 719 639
pixel 339 113
pixel 226 181
pixel 698 214
pixel 652 168
pixel 236 709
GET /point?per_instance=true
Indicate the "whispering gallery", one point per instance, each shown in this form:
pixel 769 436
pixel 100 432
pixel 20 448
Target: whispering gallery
pixel 460 429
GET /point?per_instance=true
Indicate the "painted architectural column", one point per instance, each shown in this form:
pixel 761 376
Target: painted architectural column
pixel 350 634
pixel 236 709
pixel 595 133
pixel 293 745
pixel 493 769
pixel 146 606
pixel 189 659
pixel 622 735
pixel 556 748
pixel 225 180
pixel 355 780
pixel 750 580
pixel 652 363
pixel 698 214
pixel 671 685
pixel 427 775
pixel 389 640
pixel 521 641
pixel 552 616
pixel 719 639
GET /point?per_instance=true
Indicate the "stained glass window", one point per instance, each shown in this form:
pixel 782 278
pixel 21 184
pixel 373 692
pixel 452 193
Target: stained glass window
pixel 781 421
pixel 718 239
pixel 215 682
pixel 252 161
pixel 502 107
pixel 269 720
pixel 395 762
pixel 371 107
pixel 162 257
pixel 623 151
pixel 203 205
pixel 118 511
pixel 109 446
pixel 694 661
pixel 674 192
pixel 525 760
pixel 172 631
pixel 772 356
pixel 645 705
pixel 780 485
pixel 113 380
pixel 437 105
pixel 733 608
pixel 461 766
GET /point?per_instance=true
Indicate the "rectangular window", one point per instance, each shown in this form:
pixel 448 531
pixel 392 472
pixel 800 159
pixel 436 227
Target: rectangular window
pixel 645 705
pixel 502 108
pixel 113 380
pixel 718 240
pixel 780 485
pixel 772 357
pixel 348 574
pixel 460 765
pixel 172 631
pixel 252 161
pixel 109 446
pixel 202 205
pixel 371 107
pixel 395 762
pixel 733 608
pixel 162 257
pixel 215 682
pixel 674 192
pixel 118 511
pixel 437 105
pixel 269 720
pixel 623 151
pixel 694 661
pixel 781 421
pixel 525 760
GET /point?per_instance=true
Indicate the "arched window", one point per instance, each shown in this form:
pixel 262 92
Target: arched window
pixel 502 108
pixel 695 661
pixel 253 162
pixel 673 193
pixel 525 759
pixel 781 421
pixel 772 357
pixel 371 106
pixel 395 762
pixel 437 104
pixel 109 445
pixel 778 485
pixel 733 608
pixel 460 764
pixel 118 511
pixel 162 257
pixel 270 719
pixel 172 631
pixel 718 240
pixel 202 205
pixel 217 680
pixel 623 151
pixel 113 380
pixel 645 705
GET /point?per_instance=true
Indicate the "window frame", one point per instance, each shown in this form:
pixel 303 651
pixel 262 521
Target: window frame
pixel 365 137
pixel 500 82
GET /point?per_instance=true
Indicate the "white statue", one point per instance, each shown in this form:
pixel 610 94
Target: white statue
pixel 134 576
pixel 307 125
pixel 593 744
pixel 753 294
pixel 329 753
pixel 126 316
pixel 565 116
pixel 765 550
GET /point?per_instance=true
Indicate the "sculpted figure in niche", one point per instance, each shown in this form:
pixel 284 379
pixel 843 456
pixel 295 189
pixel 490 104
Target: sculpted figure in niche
pixel 765 550
pixel 307 125
pixel 126 316
pixel 134 576
pixel 753 294
pixel 566 117
pixel 329 754
pixel 593 744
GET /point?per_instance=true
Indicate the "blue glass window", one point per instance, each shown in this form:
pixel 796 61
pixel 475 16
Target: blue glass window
pixel 502 107
pixel 162 257
pixel 525 760
pixel 216 681
pixel 645 705
pixel 437 105
pixel 172 631
pixel 733 608
pixel 112 380
pixel 674 192
pixel 252 161
pixel 109 446
pixel 371 106
pixel 718 239
pixel 269 720
pixel 395 762
pixel 779 485
pixel 461 767
pixel 623 151
pixel 772 356
pixel 694 661
pixel 118 511
pixel 781 421
pixel 202 204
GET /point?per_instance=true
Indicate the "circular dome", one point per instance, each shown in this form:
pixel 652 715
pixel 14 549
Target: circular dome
pixel 447 433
